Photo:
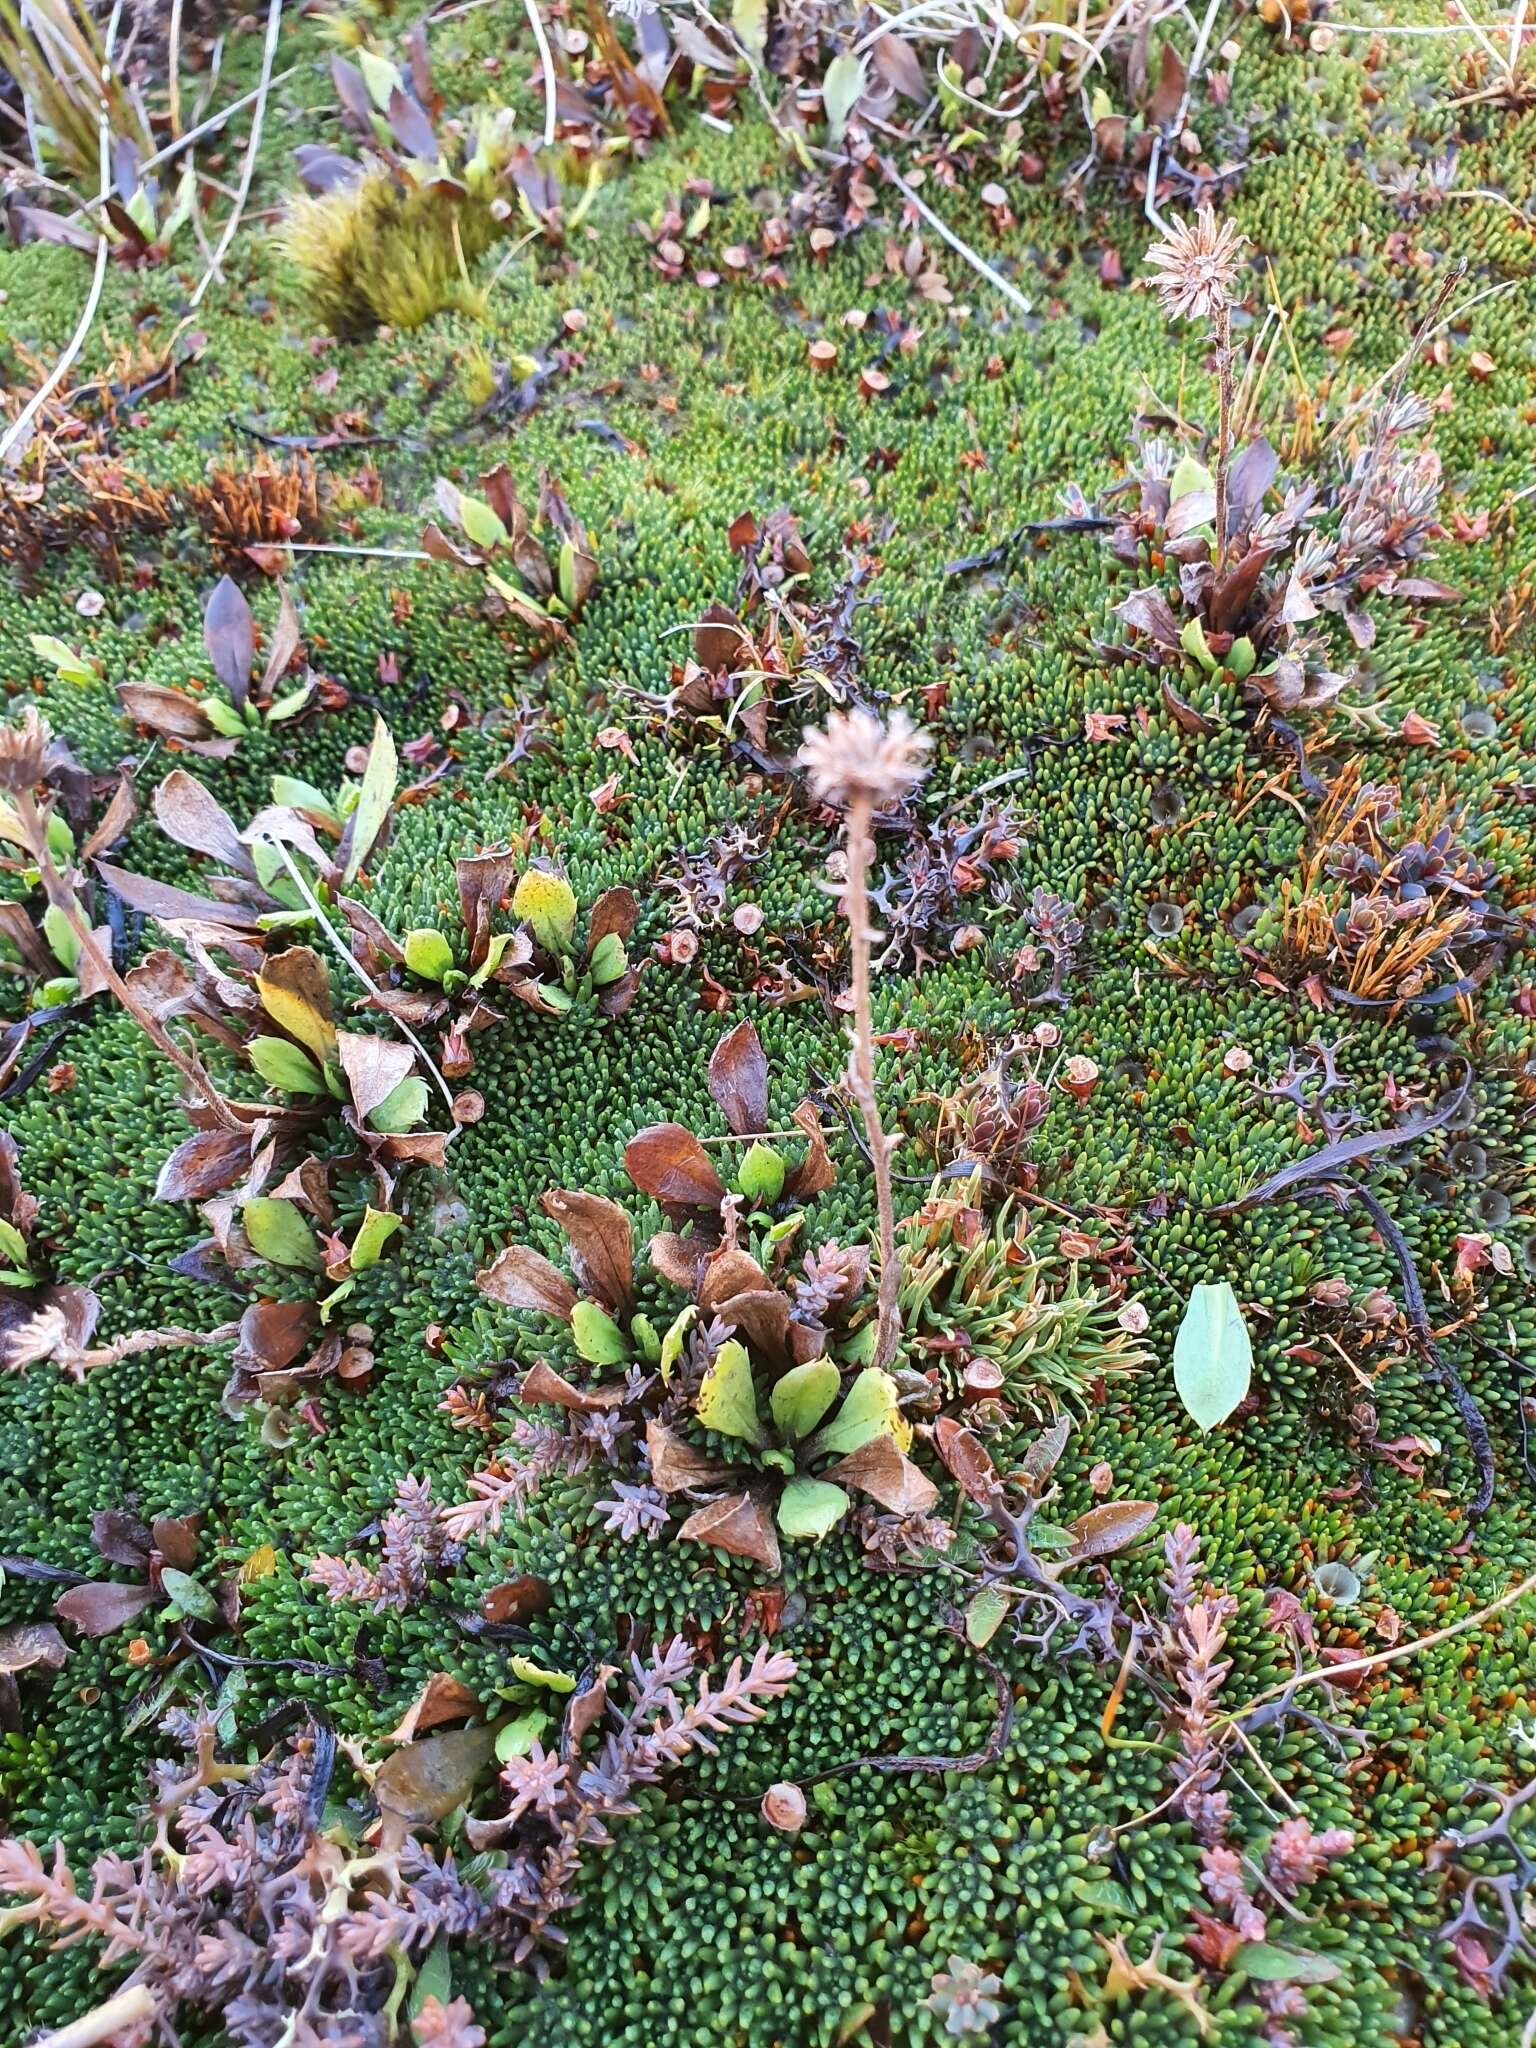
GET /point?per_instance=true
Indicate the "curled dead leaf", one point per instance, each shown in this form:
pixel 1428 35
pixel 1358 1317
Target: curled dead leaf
pixel 520 1277
pixel 882 1470
pixel 543 1383
pixel 668 1162
pixel 968 1460
pixel 736 1525
pixel 602 1244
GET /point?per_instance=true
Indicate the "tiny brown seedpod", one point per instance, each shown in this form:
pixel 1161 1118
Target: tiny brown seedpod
pixel 747 918
pixel 1079 1076
pixel 468 1106
pixel 822 354
pixel 873 382
pixel 573 320
pixel 967 939
pixel 981 1380
pixel 676 949
pixel 784 1808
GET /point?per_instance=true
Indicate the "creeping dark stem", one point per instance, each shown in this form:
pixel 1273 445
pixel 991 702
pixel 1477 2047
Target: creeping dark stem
pixel 1440 1366
pixel 313 443
pixel 223 1657
pixel 993 558
pixel 323 1734
pixel 1323 1165
pixel 33 1568
pixel 1289 737
pixel 13 1040
pixel 975 1760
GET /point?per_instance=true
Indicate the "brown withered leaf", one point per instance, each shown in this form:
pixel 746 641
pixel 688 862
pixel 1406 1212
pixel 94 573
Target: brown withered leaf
pixel 719 638
pixel 229 634
pixel 602 1243
pixel 761 1316
pixel 30 1644
pixel 194 818
pixel 1184 715
pixel 99 1608
pixel 287 638
pixel 737 1525
pixel 728 1272
pixel 1044 1454
pixel 168 712
pixel 816 1172
pixel 616 911
pixel 517 1600
pixel 543 1383
pixel 18 928
pixel 168 986
pixel 175 1537
pixel 1110 1527
pixel 882 1470
pixel 668 1162
pixel 1233 594
pixel 901 68
pixel 679 1260
pixel 738 1080
pixel 202 1164
pixel 92 977
pixel 423 1782
pixel 587 1707
pixel 121 1538
pixel 968 1460
pixel 436 543
pixel 520 1277
pixel 1150 613
pixel 676 1465
pixel 272 1335
pixel 1168 93
pixel 16 1205
pixel 169 904
pixel 442 1698
pixel 374 1068
pixel 113 822
pixel 483 880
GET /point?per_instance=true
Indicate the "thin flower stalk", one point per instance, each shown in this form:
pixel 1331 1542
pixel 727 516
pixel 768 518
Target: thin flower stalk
pixel 860 765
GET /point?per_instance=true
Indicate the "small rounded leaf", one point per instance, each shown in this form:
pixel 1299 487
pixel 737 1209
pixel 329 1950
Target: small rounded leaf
pixel 760 1176
pixel 427 953
pixel 808 1508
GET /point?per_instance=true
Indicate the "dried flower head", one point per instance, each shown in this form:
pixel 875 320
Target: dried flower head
pixel 23 749
pixel 856 758
pixel 1198 262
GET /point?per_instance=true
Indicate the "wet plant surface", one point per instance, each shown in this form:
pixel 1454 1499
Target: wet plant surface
pixel 768 1044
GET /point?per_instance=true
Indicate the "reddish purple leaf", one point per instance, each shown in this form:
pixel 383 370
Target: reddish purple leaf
pixel 668 1162
pixel 229 634
pixel 98 1609
pixel 738 1080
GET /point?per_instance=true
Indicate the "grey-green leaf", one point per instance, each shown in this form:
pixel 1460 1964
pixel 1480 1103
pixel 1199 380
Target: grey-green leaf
pixel 1212 1357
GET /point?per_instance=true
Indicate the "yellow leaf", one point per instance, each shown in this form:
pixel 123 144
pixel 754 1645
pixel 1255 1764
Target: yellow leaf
pixel 296 993
pixel 261 1564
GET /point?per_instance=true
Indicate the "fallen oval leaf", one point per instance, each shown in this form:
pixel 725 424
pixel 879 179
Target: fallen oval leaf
pixel 1110 1527
pixel 1212 1355
pixel 423 1782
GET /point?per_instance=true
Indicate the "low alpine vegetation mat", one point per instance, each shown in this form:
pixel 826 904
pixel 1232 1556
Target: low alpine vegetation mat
pixel 767 1026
